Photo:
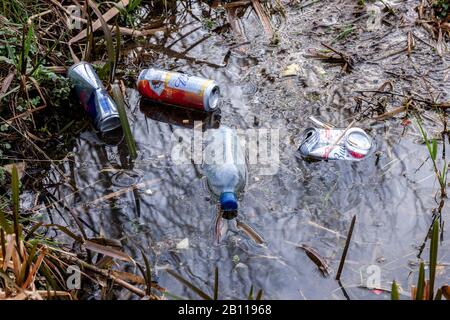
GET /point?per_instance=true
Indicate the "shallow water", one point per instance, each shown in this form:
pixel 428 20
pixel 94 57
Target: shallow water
pixel 392 195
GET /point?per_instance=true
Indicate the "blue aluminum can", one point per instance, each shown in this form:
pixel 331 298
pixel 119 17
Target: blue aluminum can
pixel 93 96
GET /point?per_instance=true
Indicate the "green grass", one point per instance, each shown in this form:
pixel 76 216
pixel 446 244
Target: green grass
pixel 442 8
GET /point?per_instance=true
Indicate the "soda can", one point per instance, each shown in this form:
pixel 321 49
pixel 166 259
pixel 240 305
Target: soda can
pixel 320 144
pixel 178 89
pixel 94 97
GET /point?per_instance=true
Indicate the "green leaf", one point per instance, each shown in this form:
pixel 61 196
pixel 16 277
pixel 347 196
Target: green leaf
pixel 394 291
pixel 421 282
pixel 433 256
pixel 11 54
pixel 4 224
pixel 15 202
pixel 66 231
pixel 26 45
pixel 33 230
pixel 443 176
pixel 250 294
pixel 424 136
pixel 49 51
pixel 433 152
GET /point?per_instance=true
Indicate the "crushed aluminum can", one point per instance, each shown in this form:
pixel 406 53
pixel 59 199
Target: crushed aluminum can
pixel 320 144
pixel 94 97
pixel 178 89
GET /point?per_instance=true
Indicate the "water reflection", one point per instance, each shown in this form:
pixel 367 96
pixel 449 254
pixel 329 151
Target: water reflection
pixel 180 117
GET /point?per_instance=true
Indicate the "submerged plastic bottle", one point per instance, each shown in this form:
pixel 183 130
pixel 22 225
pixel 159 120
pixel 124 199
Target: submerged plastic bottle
pixel 225 168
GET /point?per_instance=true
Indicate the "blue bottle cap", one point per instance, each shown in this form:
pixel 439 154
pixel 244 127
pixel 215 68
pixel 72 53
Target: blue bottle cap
pixel 228 201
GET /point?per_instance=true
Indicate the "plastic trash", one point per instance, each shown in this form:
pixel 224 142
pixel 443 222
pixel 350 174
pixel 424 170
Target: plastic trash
pixel 94 97
pixel 183 244
pixel 178 89
pixel 225 168
pixel 335 144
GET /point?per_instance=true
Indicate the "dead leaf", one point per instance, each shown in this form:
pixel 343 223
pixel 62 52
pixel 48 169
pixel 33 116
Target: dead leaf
pixel 125 276
pixel 258 239
pixel 10 239
pixel 440 45
pixel 235 23
pixel 6 83
pixel 315 257
pixel 108 251
pixel 20 168
pixel 391 113
pixel 291 70
pixel 262 15
pixel 111 13
pixel 446 292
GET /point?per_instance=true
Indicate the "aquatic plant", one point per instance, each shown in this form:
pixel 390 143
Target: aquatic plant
pixel 425 288
pixel 35 267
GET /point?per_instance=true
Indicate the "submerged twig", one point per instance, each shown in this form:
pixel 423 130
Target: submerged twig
pixel 344 253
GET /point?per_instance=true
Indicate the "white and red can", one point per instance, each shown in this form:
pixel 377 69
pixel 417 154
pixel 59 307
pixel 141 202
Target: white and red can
pixel 335 144
pixel 179 89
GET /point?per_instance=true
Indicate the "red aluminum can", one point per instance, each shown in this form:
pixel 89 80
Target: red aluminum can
pixel 179 89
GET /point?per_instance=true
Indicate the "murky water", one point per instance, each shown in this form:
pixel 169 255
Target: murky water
pixel 392 195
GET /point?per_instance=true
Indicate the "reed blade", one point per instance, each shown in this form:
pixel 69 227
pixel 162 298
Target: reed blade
pixel 259 294
pixel 250 294
pixel 433 257
pixel 394 291
pixel 421 282
pixel 190 285
pixel 15 202
pixel 216 283
pixel 147 274
pixel 438 294
pixel 27 38
pixel 120 102
pixel 108 38
pixel 4 224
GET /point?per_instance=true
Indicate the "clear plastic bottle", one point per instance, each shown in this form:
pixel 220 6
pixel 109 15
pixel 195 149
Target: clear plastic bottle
pixel 225 168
